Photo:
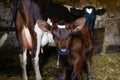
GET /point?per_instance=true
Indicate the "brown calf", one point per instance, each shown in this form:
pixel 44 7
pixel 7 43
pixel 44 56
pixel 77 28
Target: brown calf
pixel 74 45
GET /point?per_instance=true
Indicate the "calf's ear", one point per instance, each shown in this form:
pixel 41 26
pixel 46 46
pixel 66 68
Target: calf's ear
pixel 79 24
pixel 100 11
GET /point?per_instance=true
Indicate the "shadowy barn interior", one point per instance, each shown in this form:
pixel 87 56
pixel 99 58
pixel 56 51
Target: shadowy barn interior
pixel 106 54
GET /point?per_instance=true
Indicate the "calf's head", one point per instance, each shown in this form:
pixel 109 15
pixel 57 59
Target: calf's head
pixel 63 33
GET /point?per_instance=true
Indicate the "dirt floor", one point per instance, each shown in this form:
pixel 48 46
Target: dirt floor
pixel 104 67
pixel 10 66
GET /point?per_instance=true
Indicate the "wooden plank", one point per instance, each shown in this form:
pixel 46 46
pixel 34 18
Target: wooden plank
pixel 98 39
pixel 113 48
pixel 5 29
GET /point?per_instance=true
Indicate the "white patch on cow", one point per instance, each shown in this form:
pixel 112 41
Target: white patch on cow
pixel 28 36
pixel 25 56
pixel 44 39
pixel 61 26
pixel 23 60
pixel 36 67
pixel 89 10
pixel 49 21
pixel 50 37
pixel 38 30
pixel 39 33
pixel 47 38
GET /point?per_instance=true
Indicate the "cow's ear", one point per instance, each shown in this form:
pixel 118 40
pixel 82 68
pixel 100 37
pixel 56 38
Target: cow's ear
pixel 100 11
pixel 76 12
pixel 42 25
pixel 51 25
pixel 79 24
pixel 49 21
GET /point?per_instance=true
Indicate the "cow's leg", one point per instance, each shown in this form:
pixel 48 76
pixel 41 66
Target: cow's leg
pixel 23 60
pixel 58 61
pixel 36 62
pixel 36 67
pixel 76 74
pixel 36 58
pixel 88 63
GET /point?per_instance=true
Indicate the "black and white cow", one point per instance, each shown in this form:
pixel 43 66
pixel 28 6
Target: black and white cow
pixel 89 12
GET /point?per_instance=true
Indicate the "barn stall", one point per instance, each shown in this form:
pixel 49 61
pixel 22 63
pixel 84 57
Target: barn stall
pixel 106 55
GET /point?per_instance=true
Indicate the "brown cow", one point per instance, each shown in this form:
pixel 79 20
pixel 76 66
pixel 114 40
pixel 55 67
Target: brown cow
pixel 74 45
pixel 31 32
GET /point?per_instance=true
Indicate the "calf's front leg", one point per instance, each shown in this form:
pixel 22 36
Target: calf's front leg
pixel 77 70
pixel 62 72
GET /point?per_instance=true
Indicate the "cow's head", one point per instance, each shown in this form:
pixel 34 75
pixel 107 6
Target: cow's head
pixel 89 12
pixel 63 33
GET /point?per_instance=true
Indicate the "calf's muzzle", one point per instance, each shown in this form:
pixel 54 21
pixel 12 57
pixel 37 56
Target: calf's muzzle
pixel 63 51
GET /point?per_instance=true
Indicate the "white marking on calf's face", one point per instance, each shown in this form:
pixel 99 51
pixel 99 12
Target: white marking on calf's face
pixel 89 10
pixel 61 26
